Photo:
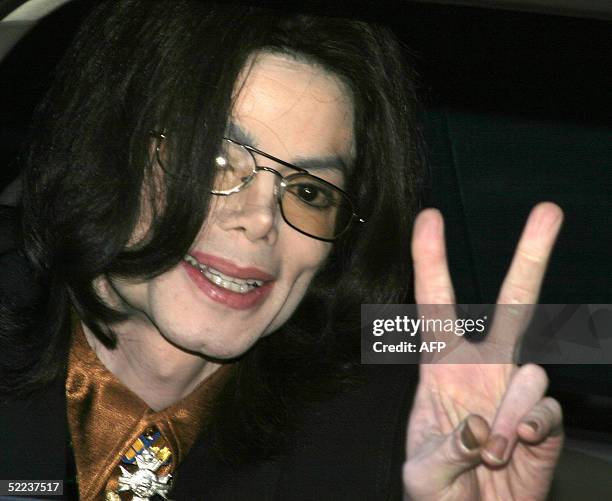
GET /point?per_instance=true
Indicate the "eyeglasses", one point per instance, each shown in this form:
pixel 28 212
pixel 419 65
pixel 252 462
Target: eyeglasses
pixel 309 204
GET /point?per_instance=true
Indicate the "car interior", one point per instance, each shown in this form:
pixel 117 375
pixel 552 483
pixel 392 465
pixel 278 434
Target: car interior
pixel 516 109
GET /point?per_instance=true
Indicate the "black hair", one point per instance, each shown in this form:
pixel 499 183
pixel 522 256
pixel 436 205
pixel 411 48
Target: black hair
pixel 137 66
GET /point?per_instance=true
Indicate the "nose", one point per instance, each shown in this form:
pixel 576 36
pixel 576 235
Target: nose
pixel 253 211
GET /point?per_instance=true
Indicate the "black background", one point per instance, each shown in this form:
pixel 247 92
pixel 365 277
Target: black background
pixel 518 109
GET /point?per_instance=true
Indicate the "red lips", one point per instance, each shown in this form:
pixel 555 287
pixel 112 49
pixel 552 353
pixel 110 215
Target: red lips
pixel 224 296
pixel 228 268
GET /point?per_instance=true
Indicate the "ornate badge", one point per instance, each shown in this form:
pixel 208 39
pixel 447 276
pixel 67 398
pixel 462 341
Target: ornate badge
pixel 144 482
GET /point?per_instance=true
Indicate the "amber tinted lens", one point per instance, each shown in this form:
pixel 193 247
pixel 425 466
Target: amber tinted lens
pixel 235 167
pixel 315 207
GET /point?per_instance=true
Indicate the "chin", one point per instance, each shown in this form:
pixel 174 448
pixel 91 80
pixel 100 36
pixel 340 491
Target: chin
pixel 215 345
pixel 224 352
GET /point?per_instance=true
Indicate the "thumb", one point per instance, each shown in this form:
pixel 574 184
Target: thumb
pixel 443 458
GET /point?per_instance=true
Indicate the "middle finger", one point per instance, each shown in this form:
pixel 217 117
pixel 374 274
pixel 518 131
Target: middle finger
pixel 522 284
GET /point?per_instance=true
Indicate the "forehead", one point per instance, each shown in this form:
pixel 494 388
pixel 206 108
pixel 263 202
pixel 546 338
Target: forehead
pixel 294 107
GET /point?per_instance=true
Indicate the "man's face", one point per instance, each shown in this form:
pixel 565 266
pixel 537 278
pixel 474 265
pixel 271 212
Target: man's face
pixel 293 111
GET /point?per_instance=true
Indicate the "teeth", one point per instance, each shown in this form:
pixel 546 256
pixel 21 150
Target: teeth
pixel 234 284
pixel 191 260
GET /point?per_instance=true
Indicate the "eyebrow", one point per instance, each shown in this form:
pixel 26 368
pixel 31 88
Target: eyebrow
pixel 237 133
pixel 332 162
pixel 322 163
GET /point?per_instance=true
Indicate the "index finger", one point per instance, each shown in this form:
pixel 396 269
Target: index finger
pixel 432 282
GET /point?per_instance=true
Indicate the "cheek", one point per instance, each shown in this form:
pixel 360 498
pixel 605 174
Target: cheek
pixel 301 286
pixel 304 267
pixel 125 296
pixel 182 318
pixel 152 202
pixel 303 257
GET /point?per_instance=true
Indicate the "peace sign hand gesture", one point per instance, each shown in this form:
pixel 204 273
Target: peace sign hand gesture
pixel 483 431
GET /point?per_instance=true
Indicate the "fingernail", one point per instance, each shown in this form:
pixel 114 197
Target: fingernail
pixel 496 447
pixel 468 439
pixel 533 425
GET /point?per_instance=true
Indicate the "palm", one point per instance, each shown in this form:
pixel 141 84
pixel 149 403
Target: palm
pixel 442 394
pixel 450 392
pixel 442 404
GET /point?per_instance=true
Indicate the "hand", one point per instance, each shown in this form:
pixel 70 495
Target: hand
pixel 483 431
